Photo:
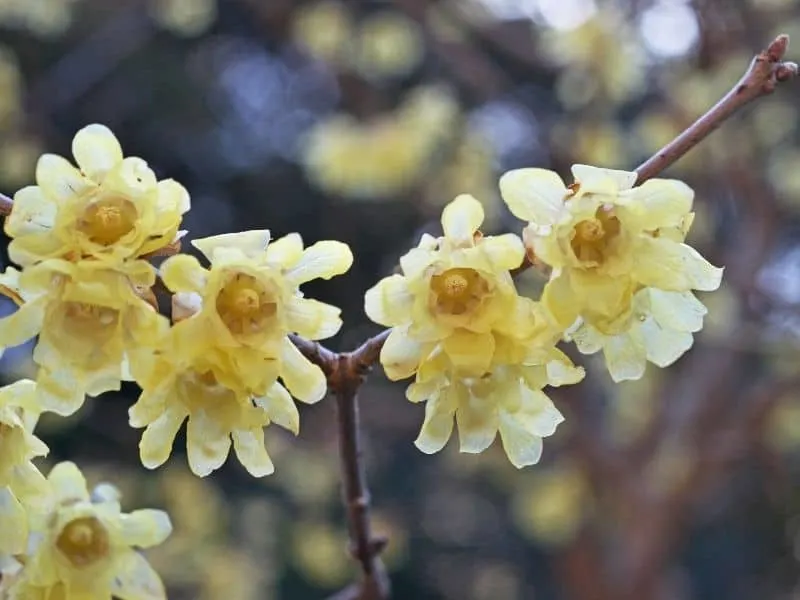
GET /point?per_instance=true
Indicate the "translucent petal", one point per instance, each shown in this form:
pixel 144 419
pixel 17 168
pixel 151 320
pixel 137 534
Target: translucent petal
pixel 22 325
pixel 400 355
pixel 58 390
pixel 664 264
pixel 504 251
pixel 68 483
pixel 251 243
pixel 416 261
pixel 561 371
pixel 560 301
pixel 312 319
pixel 183 273
pixel 31 212
pixel 534 195
pixel 389 302
pixel 250 449
pixel 157 439
pixel 280 408
pixel 461 218
pixel 625 355
pixel 664 346
pixel 538 414
pixel 603 181
pixel 680 311
pixel 436 429
pixel 477 424
pixel 145 528
pixel 173 199
pixel 207 444
pixel 657 203
pixel 305 380
pixel 58 179
pixel 522 447
pixel 13 524
pixel 470 351
pixel 286 251
pixel 135 579
pixel 322 260
pixel 96 150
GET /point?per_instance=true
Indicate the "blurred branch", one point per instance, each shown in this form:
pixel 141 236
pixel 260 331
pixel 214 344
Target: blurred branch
pixel 762 77
pixel 6 204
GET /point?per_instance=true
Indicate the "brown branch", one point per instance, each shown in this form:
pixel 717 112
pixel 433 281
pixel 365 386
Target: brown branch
pixel 6 204
pixel 765 72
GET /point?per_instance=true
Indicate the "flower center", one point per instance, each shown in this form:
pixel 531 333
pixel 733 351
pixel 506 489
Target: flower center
pixel 592 237
pixel 106 221
pixel 83 541
pixel 457 291
pixel 80 311
pixel 245 305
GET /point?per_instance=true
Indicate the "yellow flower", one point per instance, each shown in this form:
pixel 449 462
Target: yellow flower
pixel 607 241
pixel 455 295
pixel 220 366
pixel 111 208
pixel 86 549
pixel 22 486
pixel 388 45
pixel 90 321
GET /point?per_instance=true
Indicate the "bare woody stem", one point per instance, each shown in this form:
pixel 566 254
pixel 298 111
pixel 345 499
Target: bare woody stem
pixel 5 205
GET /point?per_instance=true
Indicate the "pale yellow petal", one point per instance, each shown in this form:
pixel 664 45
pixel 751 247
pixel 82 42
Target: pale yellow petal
pixel 68 483
pixel 173 199
pixel 145 528
pixel 470 351
pixel 280 408
pixel 58 179
pixel 680 311
pixel 665 264
pixel 389 302
pixel 437 427
pixel 58 390
pixel 305 380
pixel 31 212
pixel 286 251
pixel 461 218
pixel 477 424
pixel 603 181
pixel 400 355
pixel 560 302
pixel 522 447
pixel 664 346
pixel 534 195
pixel 322 260
pixel 251 452
pixel 13 524
pixel 312 319
pixel 22 324
pixel 625 355
pixel 135 579
pixel 561 370
pixel 183 273
pixel 416 261
pixel 657 203
pixel 207 444
pixel 157 439
pixel 251 243
pixel 537 413
pixel 96 150
pixel 504 251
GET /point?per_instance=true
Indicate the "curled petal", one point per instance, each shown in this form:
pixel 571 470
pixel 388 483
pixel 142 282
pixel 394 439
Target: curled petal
pixel 323 260
pixel 251 243
pixel 534 195
pixel 157 439
pixel 96 150
pixel 305 380
pixel 250 449
pixel 280 408
pixel 437 427
pixel 596 180
pixel 145 528
pixel 389 302
pixel 58 179
pixel 312 319
pixel 400 355
pixel 462 218
pixel 664 264
pixel 183 273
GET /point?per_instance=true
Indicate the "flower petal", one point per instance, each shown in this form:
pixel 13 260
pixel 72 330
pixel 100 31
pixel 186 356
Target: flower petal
pixel 280 408
pixel 157 439
pixel 312 319
pixel 437 427
pixel 135 579
pixel 183 273
pixel 534 195
pixel 22 325
pixel 32 212
pixel 470 351
pixel 322 260
pixel 389 302
pixel 145 528
pixel 664 346
pixel 68 483
pixel 250 449
pixel 680 311
pixel 207 444
pixel 504 251
pixel 625 355
pixel 305 380
pixel 285 252
pixel 522 447
pixel 58 179
pixel 251 243
pixel 657 203
pixel 96 150
pixel 477 424
pixel 461 218
pixel 667 265
pixel 596 180
pixel 400 355
pixel 13 524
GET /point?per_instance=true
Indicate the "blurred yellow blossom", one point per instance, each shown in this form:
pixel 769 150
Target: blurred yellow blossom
pixel 316 550
pixel 110 209
pixel 88 549
pixel 46 18
pixel 184 17
pixel 621 274
pixel 324 29
pixel 388 44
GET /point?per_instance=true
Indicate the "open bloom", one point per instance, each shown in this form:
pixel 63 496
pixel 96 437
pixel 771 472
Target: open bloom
pixel 22 486
pixel 87 549
pixel 220 363
pixel 89 320
pixel 455 294
pixel 606 241
pixel 110 208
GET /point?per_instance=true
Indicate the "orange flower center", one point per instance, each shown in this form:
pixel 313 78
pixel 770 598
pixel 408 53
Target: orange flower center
pixel 592 237
pixel 106 221
pixel 83 541
pixel 457 291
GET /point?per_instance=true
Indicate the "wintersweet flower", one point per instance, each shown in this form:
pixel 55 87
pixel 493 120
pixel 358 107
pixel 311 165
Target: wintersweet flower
pixel 87 549
pixel 22 487
pixel 508 398
pixel 607 240
pixel 455 294
pixel 90 320
pixel 110 208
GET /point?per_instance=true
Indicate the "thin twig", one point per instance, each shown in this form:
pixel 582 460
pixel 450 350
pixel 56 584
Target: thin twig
pixel 6 204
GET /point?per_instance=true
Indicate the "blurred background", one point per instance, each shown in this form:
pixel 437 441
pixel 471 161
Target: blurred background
pixel 358 121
